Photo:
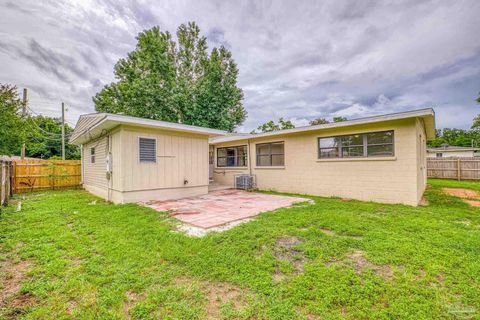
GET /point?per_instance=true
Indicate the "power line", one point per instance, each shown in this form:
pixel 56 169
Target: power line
pixel 42 132
pixel 37 114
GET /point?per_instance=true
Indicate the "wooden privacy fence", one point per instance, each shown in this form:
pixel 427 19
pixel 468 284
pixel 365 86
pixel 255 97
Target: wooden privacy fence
pixel 454 168
pixel 6 176
pixel 30 175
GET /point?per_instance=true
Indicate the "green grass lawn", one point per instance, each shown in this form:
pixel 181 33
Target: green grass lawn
pixel 64 256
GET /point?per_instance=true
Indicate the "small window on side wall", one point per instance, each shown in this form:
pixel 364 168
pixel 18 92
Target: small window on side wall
pixel 92 155
pixel 147 150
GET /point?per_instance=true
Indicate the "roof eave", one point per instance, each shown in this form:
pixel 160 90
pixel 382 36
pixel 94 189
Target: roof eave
pixel 428 116
pixel 110 121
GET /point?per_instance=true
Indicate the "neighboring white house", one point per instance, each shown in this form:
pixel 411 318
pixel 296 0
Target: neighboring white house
pixel 447 151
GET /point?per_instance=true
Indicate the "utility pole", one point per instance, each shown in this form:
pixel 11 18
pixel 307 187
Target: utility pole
pixel 24 112
pixel 63 131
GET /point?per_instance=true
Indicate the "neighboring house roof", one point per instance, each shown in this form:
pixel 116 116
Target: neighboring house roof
pixel 91 126
pixel 428 116
pixel 452 149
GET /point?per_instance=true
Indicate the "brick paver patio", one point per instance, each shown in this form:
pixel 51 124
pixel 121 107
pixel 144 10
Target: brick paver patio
pixel 218 208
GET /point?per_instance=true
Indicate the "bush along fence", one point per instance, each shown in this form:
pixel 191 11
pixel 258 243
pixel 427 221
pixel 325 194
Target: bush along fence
pixel 454 168
pixel 35 174
pixel 6 178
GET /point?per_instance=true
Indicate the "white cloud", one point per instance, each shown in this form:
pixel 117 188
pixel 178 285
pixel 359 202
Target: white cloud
pixel 297 60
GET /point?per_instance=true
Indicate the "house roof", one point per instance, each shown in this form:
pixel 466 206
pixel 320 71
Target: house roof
pixel 91 126
pixel 452 149
pixel 427 115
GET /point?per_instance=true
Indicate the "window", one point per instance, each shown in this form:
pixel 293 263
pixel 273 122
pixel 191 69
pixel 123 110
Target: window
pixel 147 150
pixel 270 154
pixel 92 155
pixel 232 156
pixel 439 155
pixel 373 144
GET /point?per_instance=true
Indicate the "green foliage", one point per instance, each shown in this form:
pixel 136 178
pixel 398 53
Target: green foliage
pixel 272 126
pixel 319 121
pixel 476 120
pixel 12 124
pixel 97 260
pixel 176 81
pixel 339 119
pixel 41 134
pixel 44 139
pixel 455 137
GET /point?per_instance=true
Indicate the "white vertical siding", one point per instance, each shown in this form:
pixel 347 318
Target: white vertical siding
pixel 95 173
pixel 180 157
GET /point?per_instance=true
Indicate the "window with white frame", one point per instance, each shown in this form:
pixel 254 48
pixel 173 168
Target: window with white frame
pixel 270 154
pixel 232 156
pixel 92 155
pixel 372 144
pixel 147 150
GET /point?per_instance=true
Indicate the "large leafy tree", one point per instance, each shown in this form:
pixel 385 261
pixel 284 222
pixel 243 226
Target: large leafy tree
pixel 41 134
pixel 12 124
pixel 273 126
pixel 146 80
pixel 176 81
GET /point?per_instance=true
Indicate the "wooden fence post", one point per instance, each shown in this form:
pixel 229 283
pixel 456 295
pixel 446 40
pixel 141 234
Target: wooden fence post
pixel 14 176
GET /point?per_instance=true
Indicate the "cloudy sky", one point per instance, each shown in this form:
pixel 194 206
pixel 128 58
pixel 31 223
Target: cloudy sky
pixel 297 59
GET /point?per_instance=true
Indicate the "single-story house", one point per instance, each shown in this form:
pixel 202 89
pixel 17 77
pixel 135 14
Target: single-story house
pixel 447 151
pixel 380 158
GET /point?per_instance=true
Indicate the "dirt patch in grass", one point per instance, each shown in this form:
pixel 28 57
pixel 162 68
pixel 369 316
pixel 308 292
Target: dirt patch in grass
pixel 461 193
pixel 473 203
pixel 423 202
pixel 220 293
pixel 360 264
pixel 11 276
pixel 131 298
pixel 217 294
pixel 285 250
pixel 469 196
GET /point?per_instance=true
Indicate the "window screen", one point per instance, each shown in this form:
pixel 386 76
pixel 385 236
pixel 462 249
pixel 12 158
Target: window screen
pixel 373 144
pixel 270 154
pixel 147 150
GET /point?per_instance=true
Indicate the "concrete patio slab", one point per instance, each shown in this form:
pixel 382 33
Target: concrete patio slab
pixel 219 208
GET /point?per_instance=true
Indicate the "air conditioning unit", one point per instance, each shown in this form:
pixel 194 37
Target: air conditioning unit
pixel 245 181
